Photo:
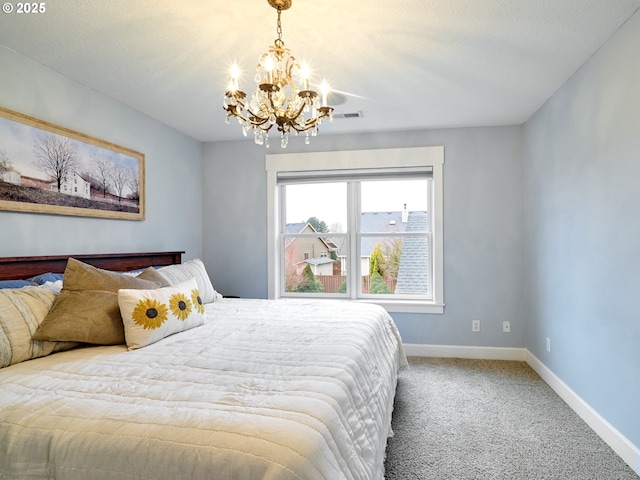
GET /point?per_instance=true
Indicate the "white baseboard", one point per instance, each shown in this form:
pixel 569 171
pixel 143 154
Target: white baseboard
pixel 607 432
pixel 623 447
pixel 455 351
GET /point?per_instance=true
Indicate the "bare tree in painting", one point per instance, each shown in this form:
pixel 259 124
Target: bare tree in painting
pixel 134 184
pixel 56 156
pixel 101 173
pixel 5 164
pixel 119 177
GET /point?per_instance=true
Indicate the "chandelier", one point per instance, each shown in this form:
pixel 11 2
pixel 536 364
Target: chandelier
pixel 278 100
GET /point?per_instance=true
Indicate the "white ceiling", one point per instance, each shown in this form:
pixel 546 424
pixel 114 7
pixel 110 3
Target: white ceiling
pixel 406 64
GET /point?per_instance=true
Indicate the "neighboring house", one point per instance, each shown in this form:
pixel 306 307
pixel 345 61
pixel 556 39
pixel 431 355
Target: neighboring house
pixel 12 177
pixel 413 273
pixel 313 251
pixel 319 266
pixel 73 184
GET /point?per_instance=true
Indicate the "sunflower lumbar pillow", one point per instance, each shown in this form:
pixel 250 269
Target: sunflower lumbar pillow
pixel 151 315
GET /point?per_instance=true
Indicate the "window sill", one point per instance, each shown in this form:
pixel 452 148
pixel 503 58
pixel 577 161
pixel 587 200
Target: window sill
pixel 406 306
pixel 391 306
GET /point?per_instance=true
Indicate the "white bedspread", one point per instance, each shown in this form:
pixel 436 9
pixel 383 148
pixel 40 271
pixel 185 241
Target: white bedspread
pixel 264 390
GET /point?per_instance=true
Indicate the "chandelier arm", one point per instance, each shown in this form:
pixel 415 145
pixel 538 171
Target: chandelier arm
pixel 298 113
pixel 256 116
pixel 256 123
pixel 233 110
pixel 308 125
pixel 313 122
pixel 252 118
pixel 291 62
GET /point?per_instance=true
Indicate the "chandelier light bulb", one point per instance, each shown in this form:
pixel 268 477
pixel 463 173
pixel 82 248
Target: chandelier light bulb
pixel 305 74
pixel 277 100
pixel 268 66
pixel 234 73
pixel 324 89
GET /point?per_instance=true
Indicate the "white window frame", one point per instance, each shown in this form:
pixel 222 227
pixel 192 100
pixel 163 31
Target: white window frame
pixel 417 157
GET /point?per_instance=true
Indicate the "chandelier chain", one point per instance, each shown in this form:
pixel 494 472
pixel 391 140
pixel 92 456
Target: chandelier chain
pixel 279 29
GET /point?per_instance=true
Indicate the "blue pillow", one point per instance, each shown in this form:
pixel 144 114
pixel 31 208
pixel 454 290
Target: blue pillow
pixel 15 283
pixel 46 277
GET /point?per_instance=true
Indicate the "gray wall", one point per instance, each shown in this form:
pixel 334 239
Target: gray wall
pixel 173 168
pixel 582 197
pixel 483 264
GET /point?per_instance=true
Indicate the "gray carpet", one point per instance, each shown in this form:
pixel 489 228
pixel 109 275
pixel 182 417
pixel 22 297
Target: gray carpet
pixel 487 419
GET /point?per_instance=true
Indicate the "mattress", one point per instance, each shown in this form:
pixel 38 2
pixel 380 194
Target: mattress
pixel 284 389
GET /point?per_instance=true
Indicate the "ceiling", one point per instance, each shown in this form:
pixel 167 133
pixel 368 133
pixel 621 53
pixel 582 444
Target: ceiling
pixel 407 64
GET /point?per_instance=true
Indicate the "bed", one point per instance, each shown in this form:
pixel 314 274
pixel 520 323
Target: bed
pixel 261 389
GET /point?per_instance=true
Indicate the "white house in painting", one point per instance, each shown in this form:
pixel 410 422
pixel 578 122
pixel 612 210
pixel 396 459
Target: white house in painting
pixel 73 184
pixel 12 177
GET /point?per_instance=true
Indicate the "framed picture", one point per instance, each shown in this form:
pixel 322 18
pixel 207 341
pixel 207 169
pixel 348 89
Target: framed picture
pixel 53 170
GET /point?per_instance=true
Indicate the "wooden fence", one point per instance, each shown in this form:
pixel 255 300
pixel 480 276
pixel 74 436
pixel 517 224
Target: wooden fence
pixel 331 283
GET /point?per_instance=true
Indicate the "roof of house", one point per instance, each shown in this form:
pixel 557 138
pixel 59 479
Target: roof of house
pixel 296 227
pixel 317 261
pixel 378 222
pixel 413 274
pixel 381 222
pixel 300 227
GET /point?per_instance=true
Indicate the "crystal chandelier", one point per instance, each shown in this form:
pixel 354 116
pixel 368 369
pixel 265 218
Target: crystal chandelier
pixel 278 100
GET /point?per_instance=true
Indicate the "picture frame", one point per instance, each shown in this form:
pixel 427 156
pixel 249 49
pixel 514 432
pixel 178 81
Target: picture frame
pixel 49 169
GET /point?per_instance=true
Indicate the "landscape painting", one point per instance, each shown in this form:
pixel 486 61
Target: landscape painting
pixel 49 169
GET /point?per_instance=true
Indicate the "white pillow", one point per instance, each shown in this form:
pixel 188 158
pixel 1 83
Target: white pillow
pixel 151 315
pixel 55 287
pixel 175 274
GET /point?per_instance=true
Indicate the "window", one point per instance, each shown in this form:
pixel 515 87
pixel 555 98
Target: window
pixel 362 225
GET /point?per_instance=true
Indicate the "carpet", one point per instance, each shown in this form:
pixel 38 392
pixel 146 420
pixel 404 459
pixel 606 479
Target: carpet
pixel 488 419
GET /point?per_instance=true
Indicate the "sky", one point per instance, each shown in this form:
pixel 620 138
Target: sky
pixel 327 201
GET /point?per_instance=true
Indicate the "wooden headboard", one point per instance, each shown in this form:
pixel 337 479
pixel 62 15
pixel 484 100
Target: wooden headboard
pixel 26 267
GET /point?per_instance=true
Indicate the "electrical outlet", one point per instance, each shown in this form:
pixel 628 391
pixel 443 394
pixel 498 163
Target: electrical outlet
pixel 548 344
pixel 506 326
pixel 475 325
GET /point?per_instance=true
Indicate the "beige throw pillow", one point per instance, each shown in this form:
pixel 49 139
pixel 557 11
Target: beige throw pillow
pixel 87 308
pixel 21 312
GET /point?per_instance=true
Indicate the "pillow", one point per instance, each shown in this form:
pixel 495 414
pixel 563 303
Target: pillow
pixel 152 275
pixel 46 277
pixel 55 287
pixel 87 308
pixel 15 283
pixel 191 269
pixel 151 315
pixel 21 312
